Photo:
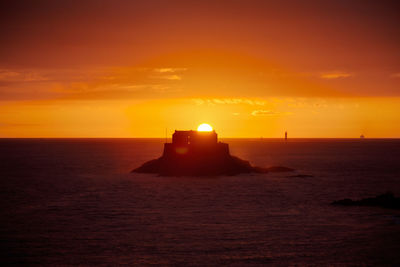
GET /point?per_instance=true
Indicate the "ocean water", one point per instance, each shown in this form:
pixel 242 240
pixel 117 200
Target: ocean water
pixel 75 202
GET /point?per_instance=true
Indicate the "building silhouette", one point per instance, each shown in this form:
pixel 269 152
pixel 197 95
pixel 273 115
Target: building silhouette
pixel 195 143
pixel 197 153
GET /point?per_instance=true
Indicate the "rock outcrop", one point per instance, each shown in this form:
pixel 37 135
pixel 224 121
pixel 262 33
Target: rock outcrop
pixel 198 166
pixel 193 153
pixel 387 200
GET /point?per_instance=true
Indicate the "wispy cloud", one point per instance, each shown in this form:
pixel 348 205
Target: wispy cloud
pixel 335 75
pixel 7 75
pixel 172 77
pixel 95 83
pixel 169 70
pixel 262 112
pixel 172 74
pixel 307 103
pixel 396 75
pixel 228 101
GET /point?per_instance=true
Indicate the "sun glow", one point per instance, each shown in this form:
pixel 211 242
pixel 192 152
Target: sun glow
pixel 204 127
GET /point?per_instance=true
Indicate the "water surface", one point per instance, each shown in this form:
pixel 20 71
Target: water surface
pixel 73 201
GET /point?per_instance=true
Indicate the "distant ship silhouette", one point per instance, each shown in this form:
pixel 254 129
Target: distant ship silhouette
pixel 197 153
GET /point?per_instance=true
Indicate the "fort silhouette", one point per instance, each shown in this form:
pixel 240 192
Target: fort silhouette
pixel 195 143
pixel 197 153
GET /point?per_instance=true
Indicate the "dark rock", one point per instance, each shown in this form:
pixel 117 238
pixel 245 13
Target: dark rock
pixel 193 153
pixel 387 200
pixel 167 166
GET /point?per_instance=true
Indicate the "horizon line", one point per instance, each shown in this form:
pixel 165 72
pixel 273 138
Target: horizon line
pixel 258 138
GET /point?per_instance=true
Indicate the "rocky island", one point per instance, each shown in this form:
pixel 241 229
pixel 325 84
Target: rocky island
pixel 198 153
pixel 387 200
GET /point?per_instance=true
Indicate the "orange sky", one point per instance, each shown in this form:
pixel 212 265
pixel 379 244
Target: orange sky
pixel 249 68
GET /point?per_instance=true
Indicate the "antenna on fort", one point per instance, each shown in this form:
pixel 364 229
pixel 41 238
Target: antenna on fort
pixel 285 135
pixel 166 136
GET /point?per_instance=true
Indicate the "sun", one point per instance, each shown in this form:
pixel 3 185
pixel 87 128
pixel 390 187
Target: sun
pixel 204 127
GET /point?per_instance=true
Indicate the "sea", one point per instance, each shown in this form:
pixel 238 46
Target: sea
pixel 75 202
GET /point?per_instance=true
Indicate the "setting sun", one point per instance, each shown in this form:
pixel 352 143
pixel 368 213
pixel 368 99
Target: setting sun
pixel 204 127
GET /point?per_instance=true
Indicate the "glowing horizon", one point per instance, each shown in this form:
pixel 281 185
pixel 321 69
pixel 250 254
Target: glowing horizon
pixel 251 69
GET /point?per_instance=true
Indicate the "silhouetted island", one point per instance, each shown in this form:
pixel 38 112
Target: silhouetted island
pixel 387 200
pixel 196 153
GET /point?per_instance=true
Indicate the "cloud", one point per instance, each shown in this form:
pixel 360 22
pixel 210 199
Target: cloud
pixel 169 70
pixel 228 101
pixel 307 103
pixel 262 112
pixel 94 83
pixel 120 91
pixel 172 74
pixel 335 75
pixel 8 75
pixel 396 75
pixel 172 77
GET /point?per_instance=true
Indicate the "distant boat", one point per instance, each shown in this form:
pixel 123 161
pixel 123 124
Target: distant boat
pixel 362 136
